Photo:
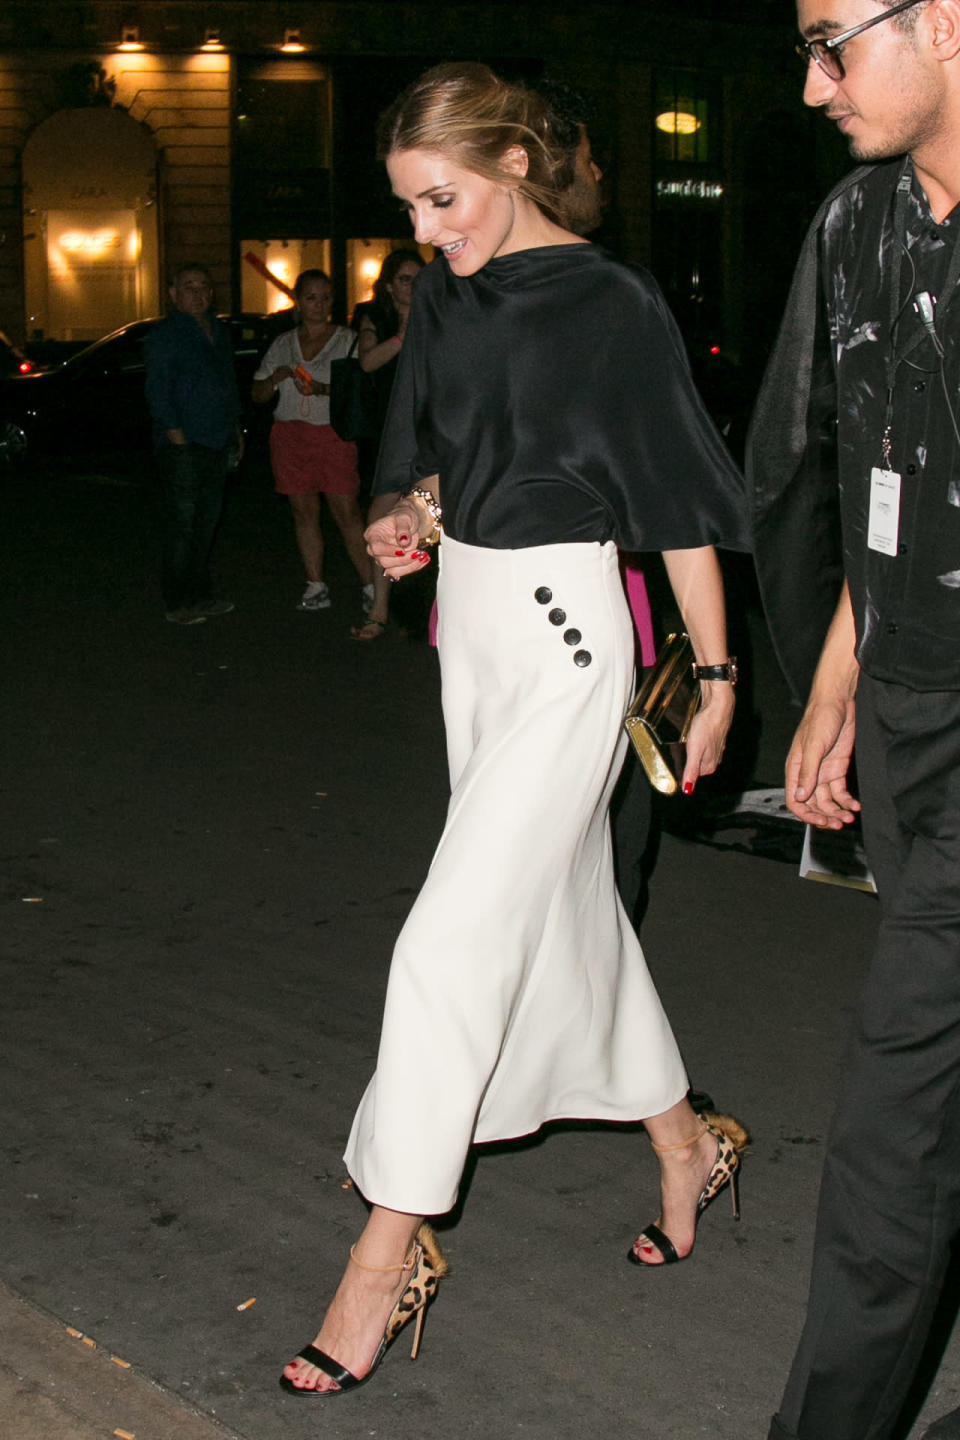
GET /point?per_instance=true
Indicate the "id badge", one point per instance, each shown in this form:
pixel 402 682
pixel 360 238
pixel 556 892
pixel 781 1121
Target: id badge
pixel 883 524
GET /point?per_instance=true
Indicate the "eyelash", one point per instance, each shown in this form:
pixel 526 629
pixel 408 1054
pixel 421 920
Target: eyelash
pixel 406 207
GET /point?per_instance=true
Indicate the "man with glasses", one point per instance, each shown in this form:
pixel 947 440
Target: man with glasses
pixel 855 468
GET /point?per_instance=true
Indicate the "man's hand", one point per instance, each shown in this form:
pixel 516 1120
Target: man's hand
pixel 819 758
pixel 818 762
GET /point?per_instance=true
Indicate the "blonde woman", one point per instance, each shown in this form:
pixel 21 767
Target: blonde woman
pixel 542 416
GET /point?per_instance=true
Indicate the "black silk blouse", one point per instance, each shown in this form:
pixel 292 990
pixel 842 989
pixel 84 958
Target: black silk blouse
pixel 551 394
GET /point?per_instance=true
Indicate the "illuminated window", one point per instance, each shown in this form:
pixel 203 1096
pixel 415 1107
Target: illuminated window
pixel 269 270
pixel 689 190
pixel 682 119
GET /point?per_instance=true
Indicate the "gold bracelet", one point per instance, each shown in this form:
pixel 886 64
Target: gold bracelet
pixel 434 509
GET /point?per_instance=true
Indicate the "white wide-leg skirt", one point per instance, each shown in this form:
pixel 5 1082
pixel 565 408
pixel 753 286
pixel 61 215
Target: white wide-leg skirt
pixel 518 992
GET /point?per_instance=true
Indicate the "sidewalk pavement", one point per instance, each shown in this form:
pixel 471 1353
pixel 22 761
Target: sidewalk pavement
pixel 58 1384
pixel 211 837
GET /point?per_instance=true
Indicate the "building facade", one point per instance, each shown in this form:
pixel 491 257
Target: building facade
pixel 138 136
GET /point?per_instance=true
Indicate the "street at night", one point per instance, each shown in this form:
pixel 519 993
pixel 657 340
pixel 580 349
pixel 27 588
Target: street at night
pixel 211 837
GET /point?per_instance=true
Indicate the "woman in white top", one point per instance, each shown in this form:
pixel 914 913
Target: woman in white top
pixel 309 459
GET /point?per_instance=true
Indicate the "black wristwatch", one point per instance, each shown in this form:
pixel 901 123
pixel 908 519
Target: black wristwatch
pixel 727 671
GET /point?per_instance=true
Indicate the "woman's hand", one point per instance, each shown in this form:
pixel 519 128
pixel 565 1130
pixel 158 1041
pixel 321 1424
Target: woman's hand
pixel 708 732
pixel 394 540
pixel 310 387
pixel 374 353
pixel 698 588
pixel 265 390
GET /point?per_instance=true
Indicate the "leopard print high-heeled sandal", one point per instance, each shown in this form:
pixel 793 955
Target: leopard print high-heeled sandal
pixel 732 1140
pixel 427 1267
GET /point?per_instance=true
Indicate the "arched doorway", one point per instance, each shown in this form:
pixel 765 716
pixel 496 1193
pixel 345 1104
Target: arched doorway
pixel 90 224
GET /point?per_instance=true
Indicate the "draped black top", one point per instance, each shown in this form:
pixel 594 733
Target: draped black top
pixel 551 394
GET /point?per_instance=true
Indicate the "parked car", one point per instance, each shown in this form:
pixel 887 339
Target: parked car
pixel 12 359
pixel 95 401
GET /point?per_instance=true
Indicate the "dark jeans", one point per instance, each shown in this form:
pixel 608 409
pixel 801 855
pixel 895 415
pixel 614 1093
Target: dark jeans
pixel 890 1198
pixel 192 479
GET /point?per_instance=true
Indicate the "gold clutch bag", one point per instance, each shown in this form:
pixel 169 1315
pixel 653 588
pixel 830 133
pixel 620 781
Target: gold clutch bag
pixel 659 718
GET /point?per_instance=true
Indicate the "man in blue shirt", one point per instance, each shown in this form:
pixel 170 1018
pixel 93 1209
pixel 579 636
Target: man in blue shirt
pixel 192 394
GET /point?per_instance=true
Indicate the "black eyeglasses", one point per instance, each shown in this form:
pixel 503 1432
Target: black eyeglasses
pixel 824 52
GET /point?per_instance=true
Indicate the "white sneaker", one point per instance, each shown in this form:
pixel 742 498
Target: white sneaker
pixel 315 597
pixel 367 599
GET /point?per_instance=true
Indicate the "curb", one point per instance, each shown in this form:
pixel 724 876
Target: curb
pixel 58 1384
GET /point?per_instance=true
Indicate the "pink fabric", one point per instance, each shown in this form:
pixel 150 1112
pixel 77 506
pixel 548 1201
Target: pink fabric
pixel 639 603
pixel 312 460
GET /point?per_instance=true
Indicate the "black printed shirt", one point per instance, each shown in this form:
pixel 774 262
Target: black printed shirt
pixel 906 605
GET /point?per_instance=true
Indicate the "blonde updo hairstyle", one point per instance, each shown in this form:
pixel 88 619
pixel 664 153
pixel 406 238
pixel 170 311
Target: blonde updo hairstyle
pixel 466 113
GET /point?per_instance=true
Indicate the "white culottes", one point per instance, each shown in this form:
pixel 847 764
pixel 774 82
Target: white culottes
pixel 518 992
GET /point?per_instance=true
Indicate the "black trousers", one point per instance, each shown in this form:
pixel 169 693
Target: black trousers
pixel 634 838
pixel 890 1198
pixel 192 481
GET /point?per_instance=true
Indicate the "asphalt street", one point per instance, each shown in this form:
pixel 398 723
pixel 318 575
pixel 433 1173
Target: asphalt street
pixel 210 838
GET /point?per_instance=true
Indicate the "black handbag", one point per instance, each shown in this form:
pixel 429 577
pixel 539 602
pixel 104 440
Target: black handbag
pixel 659 718
pixel 353 398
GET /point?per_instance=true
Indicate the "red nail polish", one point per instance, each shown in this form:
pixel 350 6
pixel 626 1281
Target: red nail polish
pixel 403 539
pixel 399 554
pixel 688 788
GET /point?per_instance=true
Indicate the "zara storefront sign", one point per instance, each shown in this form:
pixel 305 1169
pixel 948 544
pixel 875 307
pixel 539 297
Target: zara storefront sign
pixel 94 243
pixel 707 190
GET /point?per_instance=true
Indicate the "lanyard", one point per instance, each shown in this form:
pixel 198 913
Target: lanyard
pixel 900 204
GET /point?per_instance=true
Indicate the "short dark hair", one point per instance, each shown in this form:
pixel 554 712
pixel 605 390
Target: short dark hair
pixel 908 19
pixel 570 111
pixel 194 267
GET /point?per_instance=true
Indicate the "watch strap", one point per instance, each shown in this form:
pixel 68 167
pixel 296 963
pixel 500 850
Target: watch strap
pixel 727 671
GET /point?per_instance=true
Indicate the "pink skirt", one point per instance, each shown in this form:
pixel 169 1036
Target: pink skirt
pixel 312 460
